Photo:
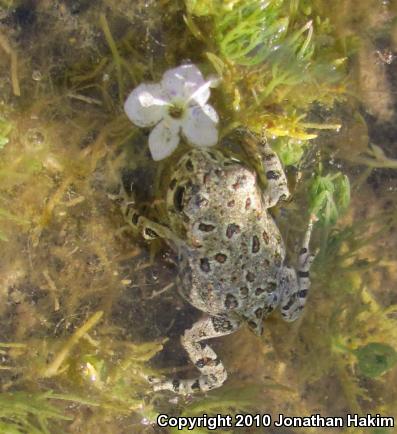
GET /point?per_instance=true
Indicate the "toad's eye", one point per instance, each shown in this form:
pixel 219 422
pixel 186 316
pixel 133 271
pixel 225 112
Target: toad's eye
pixel 178 198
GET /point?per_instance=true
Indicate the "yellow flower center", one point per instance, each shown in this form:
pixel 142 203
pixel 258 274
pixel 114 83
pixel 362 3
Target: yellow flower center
pixel 175 111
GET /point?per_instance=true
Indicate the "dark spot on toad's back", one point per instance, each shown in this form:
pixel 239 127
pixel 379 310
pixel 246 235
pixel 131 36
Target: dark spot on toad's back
pixel 239 182
pixel 271 286
pixel 255 244
pixel 206 227
pixel 205 265
pixel 231 301
pixel 250 276
pixel 259 291
pixel 232 229
pixel 244 291
pixel 221 258
pixel 265 237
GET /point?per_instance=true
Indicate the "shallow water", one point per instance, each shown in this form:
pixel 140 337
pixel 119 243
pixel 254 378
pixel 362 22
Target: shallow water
pixel 88 308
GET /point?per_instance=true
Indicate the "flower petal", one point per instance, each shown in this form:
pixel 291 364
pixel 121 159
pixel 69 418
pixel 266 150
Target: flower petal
pixel 164 138
pixel 200 126
pixel 182 82
pixel 146 105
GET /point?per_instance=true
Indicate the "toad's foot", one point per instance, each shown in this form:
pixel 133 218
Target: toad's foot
pixel 213 373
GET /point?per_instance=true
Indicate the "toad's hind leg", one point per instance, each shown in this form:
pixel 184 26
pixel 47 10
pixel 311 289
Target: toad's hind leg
pixel 213 373
pixel 295 285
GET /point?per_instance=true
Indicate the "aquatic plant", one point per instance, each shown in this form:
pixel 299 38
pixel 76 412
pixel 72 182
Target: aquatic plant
pixel 329 197
pixel 375 157
pixel 228 401
pixel 112 377
pixel 13 171
pixel 5 130
pixel 250 33
pixel 270 55
pixel 374 359
pixel 29 413
pixel 290 150
pixel 359 334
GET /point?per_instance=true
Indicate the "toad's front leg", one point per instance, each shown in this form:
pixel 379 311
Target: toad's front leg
pixel 213 373
pixel 277 186
pixel 148 228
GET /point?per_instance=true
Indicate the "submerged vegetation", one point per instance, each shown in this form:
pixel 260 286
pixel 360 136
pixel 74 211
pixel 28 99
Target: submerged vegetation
pixel 86 307
pixel 22 413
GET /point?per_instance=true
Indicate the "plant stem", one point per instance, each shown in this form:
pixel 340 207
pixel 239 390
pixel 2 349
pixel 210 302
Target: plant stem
pixel 53 368
pixel 116 56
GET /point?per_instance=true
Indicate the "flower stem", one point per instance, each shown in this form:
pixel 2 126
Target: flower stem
pixel 116 56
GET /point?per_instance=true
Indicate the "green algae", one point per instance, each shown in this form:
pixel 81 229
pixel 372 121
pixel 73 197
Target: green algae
pixel 286 71
pixel 329 197
pixel 27 413
pixel 374 359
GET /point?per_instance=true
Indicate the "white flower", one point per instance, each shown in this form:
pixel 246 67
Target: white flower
pixel 177 105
